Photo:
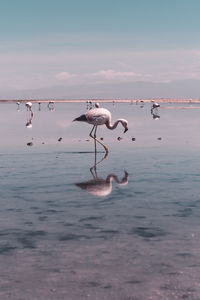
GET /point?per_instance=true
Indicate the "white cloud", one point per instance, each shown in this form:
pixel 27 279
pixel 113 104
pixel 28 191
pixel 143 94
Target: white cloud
pixel 100 76
pixel 36 70
pixel 64 76
pixel 119 75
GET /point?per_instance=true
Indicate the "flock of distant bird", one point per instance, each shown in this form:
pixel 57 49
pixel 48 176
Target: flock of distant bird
pixel 100 116
pixel 95 116
pixel 29 105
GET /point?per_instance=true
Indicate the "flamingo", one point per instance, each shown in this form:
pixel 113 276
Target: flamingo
pixel 100 116
pixel 51 105
pixel 29 106
pixel 155 105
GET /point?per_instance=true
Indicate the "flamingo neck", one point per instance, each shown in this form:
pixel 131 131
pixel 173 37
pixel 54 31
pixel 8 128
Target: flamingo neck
pixel 110 178
pixel 110 126
pixel 123 181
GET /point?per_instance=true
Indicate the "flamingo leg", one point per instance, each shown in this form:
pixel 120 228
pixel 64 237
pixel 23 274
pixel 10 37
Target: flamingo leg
pixel 95 157
pixel 91 132
pixel 95 141
pixel 95 146
pixel 94 137
pixel 95 165
pixel 95 132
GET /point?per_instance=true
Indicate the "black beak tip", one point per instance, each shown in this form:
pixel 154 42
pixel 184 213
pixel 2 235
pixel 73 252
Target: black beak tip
pixel 126 129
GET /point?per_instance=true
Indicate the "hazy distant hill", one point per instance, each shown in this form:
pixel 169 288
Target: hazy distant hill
pixel 175 89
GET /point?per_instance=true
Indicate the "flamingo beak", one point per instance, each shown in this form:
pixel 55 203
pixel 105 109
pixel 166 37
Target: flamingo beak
pixel 126 128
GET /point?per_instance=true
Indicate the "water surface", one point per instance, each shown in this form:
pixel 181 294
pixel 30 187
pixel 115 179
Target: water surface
pixel 130 230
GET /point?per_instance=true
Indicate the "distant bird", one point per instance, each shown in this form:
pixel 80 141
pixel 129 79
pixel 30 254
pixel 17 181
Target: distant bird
pixel 51 105
pixel 90 105
pixel 100 116
pixel 155 105
pixel 29 105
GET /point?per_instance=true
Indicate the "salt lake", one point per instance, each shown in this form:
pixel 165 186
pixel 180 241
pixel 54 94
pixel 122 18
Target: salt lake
pixel 125 229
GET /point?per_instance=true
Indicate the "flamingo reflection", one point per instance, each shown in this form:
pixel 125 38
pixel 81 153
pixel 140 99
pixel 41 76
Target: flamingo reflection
pixel 155 115
pixel 98 186
pixel 154 111
pixel 29 121
pixel 30 116
pixel 18 106
pixel 102 187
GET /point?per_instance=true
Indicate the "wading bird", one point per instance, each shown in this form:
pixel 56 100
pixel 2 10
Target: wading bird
pixel 29 106
pixel 100 116
pixel 155 105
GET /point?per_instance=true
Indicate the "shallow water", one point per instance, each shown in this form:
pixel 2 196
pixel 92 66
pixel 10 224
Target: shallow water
pixel 128 231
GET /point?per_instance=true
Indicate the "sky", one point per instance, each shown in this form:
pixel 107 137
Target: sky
pixel 107 49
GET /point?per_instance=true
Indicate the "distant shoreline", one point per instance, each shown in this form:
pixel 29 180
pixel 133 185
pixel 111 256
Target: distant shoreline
pixel 162 100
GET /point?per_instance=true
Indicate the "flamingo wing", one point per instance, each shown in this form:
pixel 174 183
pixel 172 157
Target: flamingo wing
pixel 97 119
pixel 97 116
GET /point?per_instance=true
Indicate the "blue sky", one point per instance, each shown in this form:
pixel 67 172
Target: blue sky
pixel 70 44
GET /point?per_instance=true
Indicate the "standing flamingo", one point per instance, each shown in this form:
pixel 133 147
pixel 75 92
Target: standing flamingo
pixel 29 106
pixel 100 116
pixel 155 104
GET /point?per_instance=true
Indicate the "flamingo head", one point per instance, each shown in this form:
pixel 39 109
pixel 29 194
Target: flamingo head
pixel 125 125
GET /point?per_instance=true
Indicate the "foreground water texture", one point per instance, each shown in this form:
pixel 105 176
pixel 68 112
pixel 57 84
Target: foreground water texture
pixel 128 229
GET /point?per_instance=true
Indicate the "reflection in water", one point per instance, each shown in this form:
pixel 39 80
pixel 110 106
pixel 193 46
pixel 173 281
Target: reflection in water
pixel 29 120
pixel 18 106
pixel 102 187
pixel 154 110
pixel 155 116
pixel 60 242
pixel 155 113
pixel 98 186
pixel 142 104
